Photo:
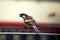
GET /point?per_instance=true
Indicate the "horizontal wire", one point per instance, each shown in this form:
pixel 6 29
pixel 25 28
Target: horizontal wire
pixel 29 33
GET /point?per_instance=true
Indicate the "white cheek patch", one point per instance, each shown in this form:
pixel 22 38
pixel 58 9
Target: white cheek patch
pixel 23 16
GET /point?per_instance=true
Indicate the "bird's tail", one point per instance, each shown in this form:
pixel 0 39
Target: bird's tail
pixel 36 29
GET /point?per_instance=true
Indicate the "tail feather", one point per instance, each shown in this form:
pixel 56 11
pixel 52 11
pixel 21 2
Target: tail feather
pixel 36 29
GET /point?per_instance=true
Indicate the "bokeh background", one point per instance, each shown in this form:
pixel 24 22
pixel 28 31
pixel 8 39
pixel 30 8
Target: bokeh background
pixel 10 10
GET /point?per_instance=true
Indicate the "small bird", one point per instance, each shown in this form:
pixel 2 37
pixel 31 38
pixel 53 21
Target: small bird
pixel 29 21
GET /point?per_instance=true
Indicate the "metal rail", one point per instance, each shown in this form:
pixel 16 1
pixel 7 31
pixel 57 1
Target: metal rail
pixel 28 33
